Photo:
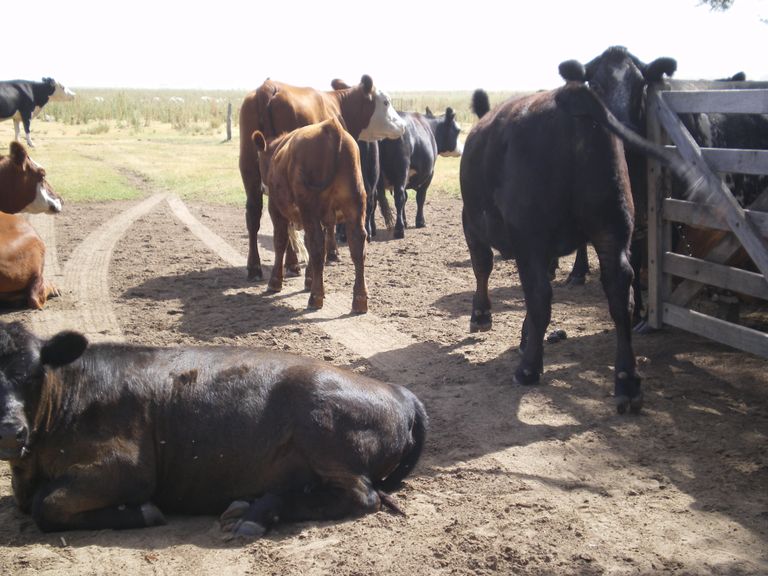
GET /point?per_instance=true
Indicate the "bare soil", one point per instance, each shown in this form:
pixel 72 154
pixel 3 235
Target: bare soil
pixel 546 479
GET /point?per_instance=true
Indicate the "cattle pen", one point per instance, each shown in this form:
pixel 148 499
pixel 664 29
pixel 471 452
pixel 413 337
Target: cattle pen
pixel 674 278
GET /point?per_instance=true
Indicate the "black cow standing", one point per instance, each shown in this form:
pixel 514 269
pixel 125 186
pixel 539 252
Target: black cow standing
pixel 23 99
pixel 540 176
pixel 408 162
pixel 107 435
pixel 620 80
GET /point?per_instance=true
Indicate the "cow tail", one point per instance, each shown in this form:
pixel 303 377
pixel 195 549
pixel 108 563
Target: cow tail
pixel 297 243
pixel 480 103
pixel 411 457
pixel 581 100
pixel 333 132
pixel 385 207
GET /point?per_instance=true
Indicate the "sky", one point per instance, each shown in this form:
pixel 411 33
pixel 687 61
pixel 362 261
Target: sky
pixel 403 45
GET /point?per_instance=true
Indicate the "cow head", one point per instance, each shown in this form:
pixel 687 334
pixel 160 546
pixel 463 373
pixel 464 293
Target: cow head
pixel 384 121
pixel 58 92
pixel 446 131
pixel 619 79
pixel 23 186
pixel 23 362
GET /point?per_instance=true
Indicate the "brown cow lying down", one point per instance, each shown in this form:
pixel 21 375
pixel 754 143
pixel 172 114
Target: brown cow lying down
pixel 105 435
pixel 23 188
pixel 314 179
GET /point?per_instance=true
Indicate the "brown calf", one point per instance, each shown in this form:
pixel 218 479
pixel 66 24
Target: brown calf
pixel 314 180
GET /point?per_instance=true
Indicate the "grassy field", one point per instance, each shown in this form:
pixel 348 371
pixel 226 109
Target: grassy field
pixel 97 146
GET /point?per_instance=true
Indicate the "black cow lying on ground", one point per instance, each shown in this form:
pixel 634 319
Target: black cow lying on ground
pixel 540 176
pixel 23 99
pixel 408 162
pixel 107 435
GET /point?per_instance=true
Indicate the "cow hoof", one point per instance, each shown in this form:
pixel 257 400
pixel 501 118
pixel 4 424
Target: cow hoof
pixel 249 530
pixel 274 286
pixel 481 321
pixel 575 281
pixel 399 234
pixel 293 270
pixel 421 224
pixel 359 305
pixel 255 274
pixel 526 377
pixel 332 257
pixel 635 404
pixel 152 515
pixel 315 302
pixel 234 512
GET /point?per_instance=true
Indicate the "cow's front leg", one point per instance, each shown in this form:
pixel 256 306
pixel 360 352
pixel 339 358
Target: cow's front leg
pixel 482 265
pixel 534 277
pixel 578 274
pixel 400 223
pixel 616 276
pixel 93 500
pixel 251 520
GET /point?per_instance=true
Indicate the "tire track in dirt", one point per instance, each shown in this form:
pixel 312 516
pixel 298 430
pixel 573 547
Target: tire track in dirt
pixel 85 302
pixel 366 335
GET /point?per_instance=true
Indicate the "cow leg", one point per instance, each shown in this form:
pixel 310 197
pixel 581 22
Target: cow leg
pixel 250 520
pixel 534 277
pixel 636 261
pixel 400 221
pixel 254 206
pixel 421 196
pixel 27 130
pixel 316 246
pixel 370 216
pixel 616 276
pixel 280 240
pixel 580 269
pixel 356 240
pixel 331 499
pixel 482 265
pixel 16 128
pixel 331 248
pixel 86 502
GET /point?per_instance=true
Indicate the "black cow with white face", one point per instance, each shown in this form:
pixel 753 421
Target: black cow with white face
pixel 408 162
pixel 22 100
pixel 108 435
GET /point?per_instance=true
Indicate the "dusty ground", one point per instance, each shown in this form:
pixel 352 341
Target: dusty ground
pixel 540 480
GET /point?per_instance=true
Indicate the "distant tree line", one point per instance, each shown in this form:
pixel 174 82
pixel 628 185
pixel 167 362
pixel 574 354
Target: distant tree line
pixel 718 4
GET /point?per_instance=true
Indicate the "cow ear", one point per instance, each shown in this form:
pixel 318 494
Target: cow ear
pixel 655 70
pixel 367 83
pixel 259 141
pixel 428 113
pixel 18 154
pixel 449 114
pixel 64 348
pixel 337 84
pixel 572 71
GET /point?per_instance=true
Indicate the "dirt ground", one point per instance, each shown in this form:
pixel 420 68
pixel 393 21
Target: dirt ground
pixel 545 479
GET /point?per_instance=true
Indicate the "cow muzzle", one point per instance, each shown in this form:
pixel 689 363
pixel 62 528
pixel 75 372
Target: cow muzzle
pixel 14 437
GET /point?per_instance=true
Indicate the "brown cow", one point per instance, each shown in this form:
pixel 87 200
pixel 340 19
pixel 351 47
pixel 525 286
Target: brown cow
pixel 23 188
pixel 313 178
pixel 275 108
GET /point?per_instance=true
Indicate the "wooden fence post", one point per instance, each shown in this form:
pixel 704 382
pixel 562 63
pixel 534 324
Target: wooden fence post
pixel 229 122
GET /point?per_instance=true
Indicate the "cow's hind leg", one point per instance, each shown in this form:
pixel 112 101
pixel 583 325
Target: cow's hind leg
pixel 280 240
pixel 616 276
pixel 356 240
pixel 578 275
pixel 400 220
pixel 534 276
pixel 482 265
pixel 316 246
pixel 421 196
pixel 254 206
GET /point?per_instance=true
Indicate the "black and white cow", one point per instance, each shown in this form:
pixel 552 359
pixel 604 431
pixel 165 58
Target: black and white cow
pixel 408 162
pixel 22 100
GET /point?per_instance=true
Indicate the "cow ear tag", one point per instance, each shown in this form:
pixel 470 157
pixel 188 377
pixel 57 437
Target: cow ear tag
pixel 63 348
